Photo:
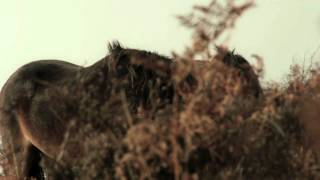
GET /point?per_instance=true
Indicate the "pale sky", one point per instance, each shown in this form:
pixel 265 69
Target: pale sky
pixel 282 31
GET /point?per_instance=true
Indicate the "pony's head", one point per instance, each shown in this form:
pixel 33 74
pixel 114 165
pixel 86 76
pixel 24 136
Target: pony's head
pixel 145 77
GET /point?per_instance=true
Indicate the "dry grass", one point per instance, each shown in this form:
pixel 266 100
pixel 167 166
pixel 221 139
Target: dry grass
pixel 218 130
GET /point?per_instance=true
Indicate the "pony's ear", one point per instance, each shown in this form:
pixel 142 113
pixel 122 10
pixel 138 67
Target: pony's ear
pixel 120 60
pixel 114 47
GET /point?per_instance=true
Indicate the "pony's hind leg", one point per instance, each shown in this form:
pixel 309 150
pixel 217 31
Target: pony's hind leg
pixel 12 145
pixel 19 155
pixel 33 168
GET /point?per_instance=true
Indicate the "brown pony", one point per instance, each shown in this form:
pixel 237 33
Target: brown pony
pixel 35 99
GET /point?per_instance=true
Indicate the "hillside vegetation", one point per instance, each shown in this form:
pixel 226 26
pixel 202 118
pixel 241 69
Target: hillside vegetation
pixel 218 130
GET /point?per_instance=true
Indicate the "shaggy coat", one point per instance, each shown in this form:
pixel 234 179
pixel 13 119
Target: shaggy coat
pixel 35 99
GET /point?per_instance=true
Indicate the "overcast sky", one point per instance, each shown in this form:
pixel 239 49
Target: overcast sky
pixel 282 31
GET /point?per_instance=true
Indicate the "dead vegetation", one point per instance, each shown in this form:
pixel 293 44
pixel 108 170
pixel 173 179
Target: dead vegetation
pixel 219 125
